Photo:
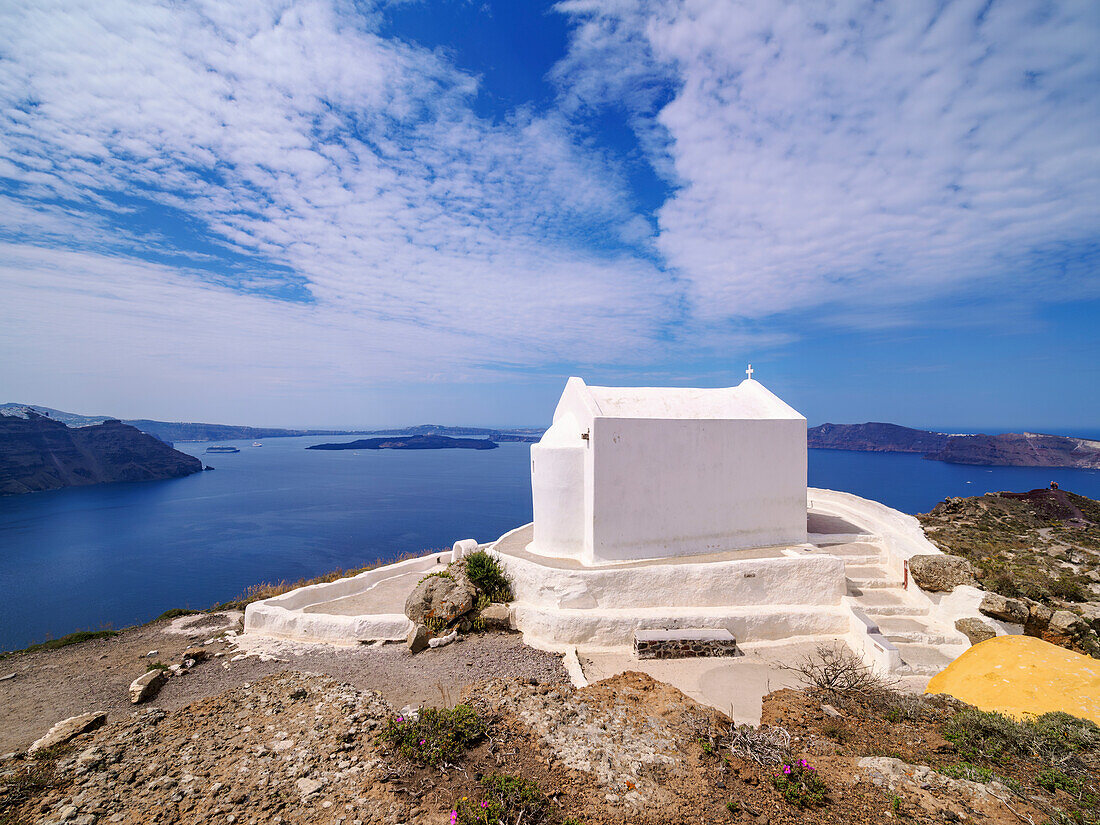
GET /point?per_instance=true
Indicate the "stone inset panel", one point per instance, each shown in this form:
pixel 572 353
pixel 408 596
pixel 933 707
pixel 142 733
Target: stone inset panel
pixel 684 643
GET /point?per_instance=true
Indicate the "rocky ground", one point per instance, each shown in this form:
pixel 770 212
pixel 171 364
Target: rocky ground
pixel 44 686
pixel 296 747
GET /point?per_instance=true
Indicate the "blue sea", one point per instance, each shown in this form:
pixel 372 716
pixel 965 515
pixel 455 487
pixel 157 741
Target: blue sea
pixel 121 554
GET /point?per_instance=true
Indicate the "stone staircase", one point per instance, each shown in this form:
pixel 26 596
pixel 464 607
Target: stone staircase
pixel 902 618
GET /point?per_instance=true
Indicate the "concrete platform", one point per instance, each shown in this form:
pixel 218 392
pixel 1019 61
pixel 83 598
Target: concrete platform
pixel 837 586
pixel 735 686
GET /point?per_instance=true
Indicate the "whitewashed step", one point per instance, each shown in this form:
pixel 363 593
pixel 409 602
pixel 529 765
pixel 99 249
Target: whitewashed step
pixel 913 629
pixel 923 659
pixel 865 577
pixel 888 602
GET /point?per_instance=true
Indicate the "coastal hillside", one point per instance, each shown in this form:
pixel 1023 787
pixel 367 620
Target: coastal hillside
pixel 1004 450
pixel 1041 547
pixel 38 453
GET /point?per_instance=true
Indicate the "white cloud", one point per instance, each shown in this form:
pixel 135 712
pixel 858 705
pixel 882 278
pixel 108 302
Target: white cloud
pixel 854 162
pixel 860 152
pixel 296 134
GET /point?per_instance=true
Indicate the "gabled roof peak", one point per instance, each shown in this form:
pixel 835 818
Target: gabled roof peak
pixel 748 400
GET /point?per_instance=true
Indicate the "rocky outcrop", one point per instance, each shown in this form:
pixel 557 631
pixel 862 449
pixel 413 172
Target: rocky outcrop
pixel 68 729
pixel 147 686
pixel 1004 609
pixel 38 453
pixel 444 597
pixel 941 573
pixel 975 630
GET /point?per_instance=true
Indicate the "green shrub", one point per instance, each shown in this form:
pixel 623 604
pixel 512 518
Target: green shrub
pixel 964 770
pixel 508 799
pixel 800 785
pixel 486 572
pixel 1053 779
pixel 984 735
pixel 71 639
pixel 436 735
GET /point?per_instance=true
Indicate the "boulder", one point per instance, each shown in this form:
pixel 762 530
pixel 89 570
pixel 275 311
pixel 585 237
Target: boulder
pixel 67 729
pixel 1040 614
pixel 1064 623
pixel 197 654
pixel 975 629
pixel 417 638
pixel 441 597
pixel 1000 607
pixel 497 617
pixel 146 686
pixel 941 573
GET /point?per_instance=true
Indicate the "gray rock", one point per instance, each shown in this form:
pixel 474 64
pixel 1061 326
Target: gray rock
pixel 1040 614
pixel 830 711
pixel 439 597
pixel 146 686
pixel 496 617
pixel 67 729
pixel 999 607
pixel 941 573
pixel 975 629
pixel 418 638
pixel 308 786
pixel 1064 623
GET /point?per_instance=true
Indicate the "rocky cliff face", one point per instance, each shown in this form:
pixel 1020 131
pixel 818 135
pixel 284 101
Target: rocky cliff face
pixel 874 437
pixel 1005 450
pixel 1020 449
pixel 38 453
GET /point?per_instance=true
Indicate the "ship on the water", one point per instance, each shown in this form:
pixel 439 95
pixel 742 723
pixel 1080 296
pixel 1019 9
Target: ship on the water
pixel 222 448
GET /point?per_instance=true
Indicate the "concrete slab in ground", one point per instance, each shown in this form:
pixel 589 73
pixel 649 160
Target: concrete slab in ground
pixel 736 686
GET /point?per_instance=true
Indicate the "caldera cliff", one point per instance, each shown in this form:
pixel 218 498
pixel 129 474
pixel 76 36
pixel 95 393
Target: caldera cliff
pixel 38 453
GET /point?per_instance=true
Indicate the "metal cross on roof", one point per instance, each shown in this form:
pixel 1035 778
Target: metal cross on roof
pixel 749 371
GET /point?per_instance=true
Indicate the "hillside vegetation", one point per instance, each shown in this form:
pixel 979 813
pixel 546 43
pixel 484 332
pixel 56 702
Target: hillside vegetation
pixel 1042 545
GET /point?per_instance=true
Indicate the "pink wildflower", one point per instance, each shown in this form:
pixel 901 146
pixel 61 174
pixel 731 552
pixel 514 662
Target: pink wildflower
pixel 484 804
pixel 454 817
pixel 786 769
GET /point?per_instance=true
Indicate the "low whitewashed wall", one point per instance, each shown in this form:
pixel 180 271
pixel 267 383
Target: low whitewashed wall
pixel 553 629
pixel 283 615
pixel 807 580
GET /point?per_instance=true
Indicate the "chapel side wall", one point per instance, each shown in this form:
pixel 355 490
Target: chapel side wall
pixel 558 500
pixel 684 487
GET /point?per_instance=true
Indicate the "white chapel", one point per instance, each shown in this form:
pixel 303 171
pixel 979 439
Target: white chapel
pixel 628 473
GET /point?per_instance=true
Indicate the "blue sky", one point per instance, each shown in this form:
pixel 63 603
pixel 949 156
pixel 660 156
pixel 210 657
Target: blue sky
pixel 354 214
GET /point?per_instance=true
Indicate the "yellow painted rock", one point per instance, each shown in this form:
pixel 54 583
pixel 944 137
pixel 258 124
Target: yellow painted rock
pixel 1020 675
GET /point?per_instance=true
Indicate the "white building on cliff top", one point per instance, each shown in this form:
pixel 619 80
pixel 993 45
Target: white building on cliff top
pixel 631 473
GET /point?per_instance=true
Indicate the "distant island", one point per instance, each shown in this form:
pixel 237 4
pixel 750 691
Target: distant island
pixel 1004 450
pixel 413 442
pixel 172 431
pixel 38 453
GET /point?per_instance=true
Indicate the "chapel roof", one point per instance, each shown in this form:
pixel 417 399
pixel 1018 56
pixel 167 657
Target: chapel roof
pixel 749 400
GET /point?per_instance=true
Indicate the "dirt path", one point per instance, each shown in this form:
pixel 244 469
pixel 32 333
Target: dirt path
pixel 52 685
